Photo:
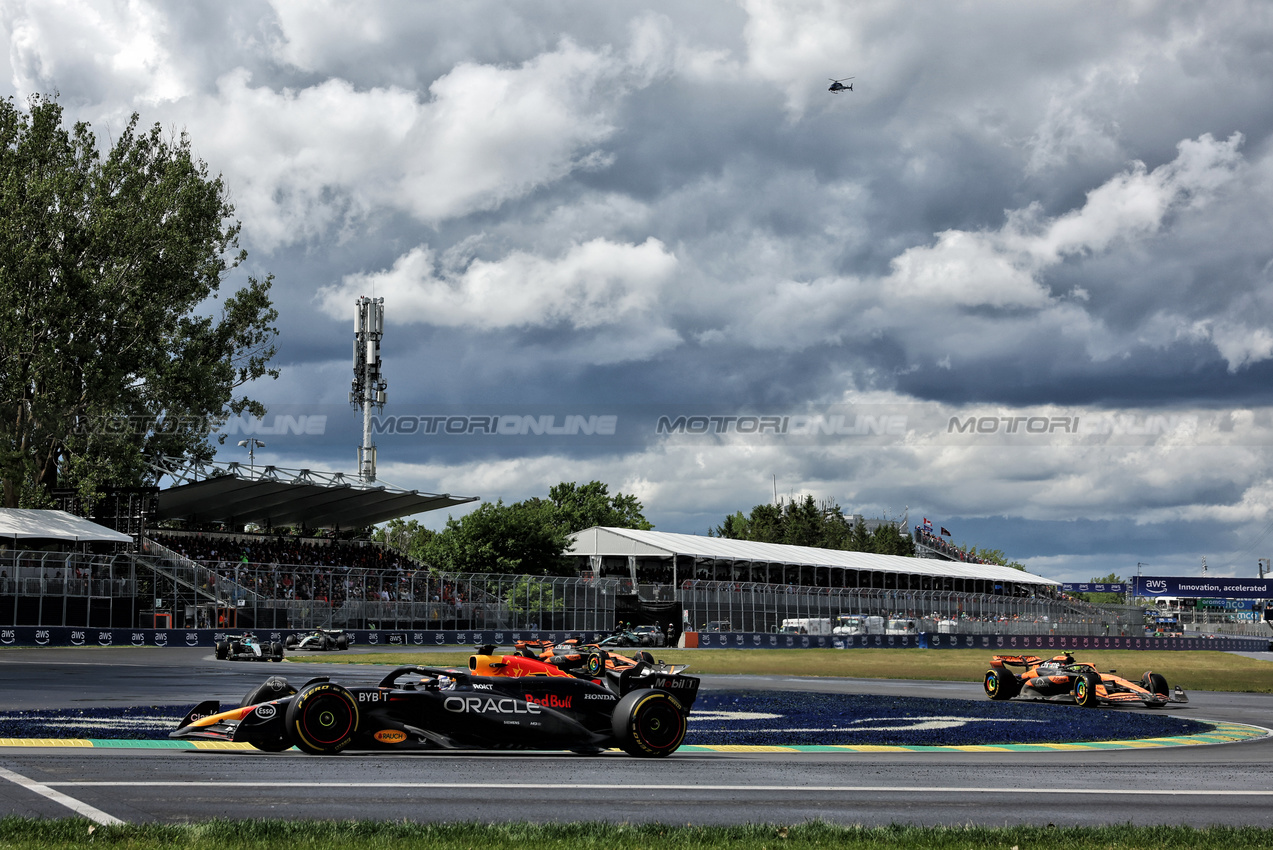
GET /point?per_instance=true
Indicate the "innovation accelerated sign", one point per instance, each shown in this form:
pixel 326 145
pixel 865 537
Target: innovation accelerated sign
pixel 1198 588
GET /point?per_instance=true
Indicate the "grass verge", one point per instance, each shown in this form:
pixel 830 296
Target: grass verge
pixel 1192 670
pixel 269 835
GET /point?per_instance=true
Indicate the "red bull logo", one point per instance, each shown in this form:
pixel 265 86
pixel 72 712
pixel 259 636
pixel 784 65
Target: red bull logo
pixel 550 700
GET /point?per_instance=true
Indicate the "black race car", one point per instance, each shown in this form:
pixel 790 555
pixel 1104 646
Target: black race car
pixel 318 639
pixel 584 700
pixel 246 647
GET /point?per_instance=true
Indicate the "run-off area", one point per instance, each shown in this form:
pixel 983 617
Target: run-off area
pixel 746 718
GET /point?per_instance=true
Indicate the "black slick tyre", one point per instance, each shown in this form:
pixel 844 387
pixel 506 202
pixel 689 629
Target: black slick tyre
pixel 275 687
pixel 1000 684
pixel 648 724
pixel 1155 683
pixel 1085 690
pixel 223 650
pixel 322 718
pixel 342 641
pixel 276 651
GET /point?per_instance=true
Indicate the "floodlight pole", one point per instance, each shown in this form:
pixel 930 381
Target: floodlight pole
pixel 253 444
pixel 369 385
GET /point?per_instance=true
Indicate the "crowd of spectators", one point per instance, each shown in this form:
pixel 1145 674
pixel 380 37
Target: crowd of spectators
pixel 326 571
pixel 926 537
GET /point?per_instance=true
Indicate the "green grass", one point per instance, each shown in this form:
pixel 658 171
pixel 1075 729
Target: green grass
pixel 1196 670
pixel 367 835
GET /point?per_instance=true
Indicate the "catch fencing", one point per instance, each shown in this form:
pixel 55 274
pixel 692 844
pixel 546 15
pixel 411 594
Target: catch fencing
pixel 160 588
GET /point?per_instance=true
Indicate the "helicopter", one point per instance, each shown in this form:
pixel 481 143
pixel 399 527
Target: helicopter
pixel 836 85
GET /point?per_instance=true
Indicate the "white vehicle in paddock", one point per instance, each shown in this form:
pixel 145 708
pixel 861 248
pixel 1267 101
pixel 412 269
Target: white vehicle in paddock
pixel 902 626
pixel 847 625
pixel 806 626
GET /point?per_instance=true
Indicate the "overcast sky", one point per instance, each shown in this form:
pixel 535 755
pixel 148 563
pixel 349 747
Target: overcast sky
pixel 1051 220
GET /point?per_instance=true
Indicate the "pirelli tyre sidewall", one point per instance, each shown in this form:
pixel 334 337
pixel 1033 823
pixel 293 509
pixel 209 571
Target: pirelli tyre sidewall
pixel 649 723
pixel 1000 684
pixel 1085 689
pixel 322 718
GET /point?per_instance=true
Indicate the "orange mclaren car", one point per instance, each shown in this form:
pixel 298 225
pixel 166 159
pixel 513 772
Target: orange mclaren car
pixel 1062 679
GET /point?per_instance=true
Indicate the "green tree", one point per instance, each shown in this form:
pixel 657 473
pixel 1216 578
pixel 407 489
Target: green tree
pixel 584 506
pixel 1104 598
pixel 114 348
pixel 525 537
pixel 805 522
pixel 496 538
pixel 531 595
pixel 994 556
pixel 409 537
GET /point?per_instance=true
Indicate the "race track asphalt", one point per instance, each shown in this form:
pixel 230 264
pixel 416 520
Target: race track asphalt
pixel 1197 785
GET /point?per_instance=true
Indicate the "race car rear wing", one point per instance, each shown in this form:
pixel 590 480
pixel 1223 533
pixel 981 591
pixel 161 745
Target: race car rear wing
pixel 1015 661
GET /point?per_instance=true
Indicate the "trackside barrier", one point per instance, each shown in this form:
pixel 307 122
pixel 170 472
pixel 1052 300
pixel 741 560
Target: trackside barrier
pixel 1006 644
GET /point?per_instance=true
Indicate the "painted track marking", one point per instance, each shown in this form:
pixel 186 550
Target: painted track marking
pixel 573 786
pixel 43 789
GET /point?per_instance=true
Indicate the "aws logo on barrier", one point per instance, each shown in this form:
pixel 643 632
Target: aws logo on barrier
pixel 1155 586
pixel 192 638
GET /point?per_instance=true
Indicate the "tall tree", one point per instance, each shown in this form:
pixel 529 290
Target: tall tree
pixel 583 506
pixel 525 537
pixel 113 346
pixel 805 522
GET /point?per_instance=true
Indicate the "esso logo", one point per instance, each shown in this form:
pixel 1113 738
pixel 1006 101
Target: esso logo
pixel 265 712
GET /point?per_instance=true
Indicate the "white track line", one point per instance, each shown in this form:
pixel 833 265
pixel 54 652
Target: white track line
pixel 82 809
pixel 540 786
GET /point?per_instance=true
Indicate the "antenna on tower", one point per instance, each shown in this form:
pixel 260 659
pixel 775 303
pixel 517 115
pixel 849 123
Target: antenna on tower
pixel 369 385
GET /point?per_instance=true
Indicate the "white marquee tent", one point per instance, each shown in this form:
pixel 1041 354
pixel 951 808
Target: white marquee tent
pixel 22 524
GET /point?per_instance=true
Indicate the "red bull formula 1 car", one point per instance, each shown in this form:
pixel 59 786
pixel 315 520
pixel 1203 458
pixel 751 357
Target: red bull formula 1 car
pixel 1062 679
pixel 542 696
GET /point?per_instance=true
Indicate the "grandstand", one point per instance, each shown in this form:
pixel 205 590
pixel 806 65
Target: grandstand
pixel 192 579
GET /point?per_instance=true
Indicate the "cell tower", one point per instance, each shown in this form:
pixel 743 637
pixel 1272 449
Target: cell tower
pixel 369 385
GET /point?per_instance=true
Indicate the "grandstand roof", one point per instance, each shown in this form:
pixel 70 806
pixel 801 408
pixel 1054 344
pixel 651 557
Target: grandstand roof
pixel 28 524
pixel 273 496
pixel 626 541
